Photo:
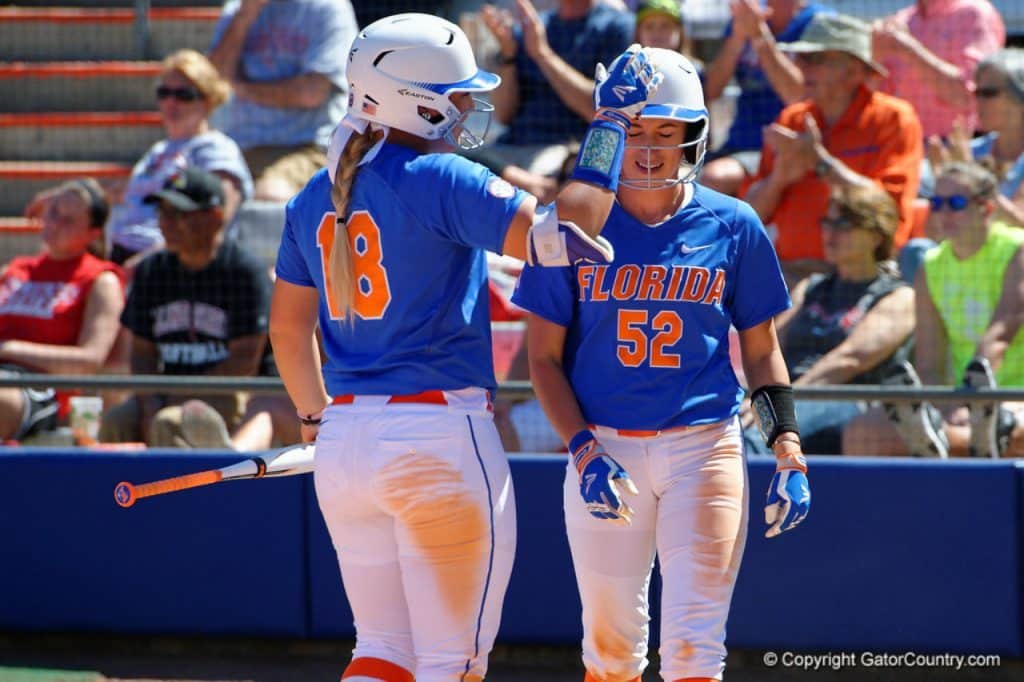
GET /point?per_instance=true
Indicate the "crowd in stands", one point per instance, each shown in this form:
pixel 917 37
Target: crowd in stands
pixel 885 158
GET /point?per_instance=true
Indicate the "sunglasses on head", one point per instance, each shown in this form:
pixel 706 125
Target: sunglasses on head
pixel 180 94
pixel 956 202
pixel 988 93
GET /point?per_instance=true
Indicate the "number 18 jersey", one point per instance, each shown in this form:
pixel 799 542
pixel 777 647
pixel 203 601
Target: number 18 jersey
pixel 647 336
pixel 418 226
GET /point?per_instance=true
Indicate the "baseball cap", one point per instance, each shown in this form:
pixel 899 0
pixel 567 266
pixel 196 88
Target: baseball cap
pixel 192 189
pixel 838 32
pixel 649 7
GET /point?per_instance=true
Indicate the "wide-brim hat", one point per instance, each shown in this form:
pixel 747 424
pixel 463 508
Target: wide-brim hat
pixel 839 33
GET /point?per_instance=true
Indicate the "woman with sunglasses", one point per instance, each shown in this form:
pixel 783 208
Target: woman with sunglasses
pixel 851 325
pixel 59 309
pixel 188 90
pixel 999 93
pixel 384 250
pixel 968 307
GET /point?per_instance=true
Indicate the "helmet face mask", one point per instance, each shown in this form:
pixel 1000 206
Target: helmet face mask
pixel 403 71
pixel 679 99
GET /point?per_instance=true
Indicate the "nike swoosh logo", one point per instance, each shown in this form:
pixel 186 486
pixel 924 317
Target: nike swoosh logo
pixel 622 90
pixel 692 249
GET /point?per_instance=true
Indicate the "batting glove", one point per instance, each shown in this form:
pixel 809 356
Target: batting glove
pixel 552 243
pixel 789 495
pixel 625 86
pixel 602 480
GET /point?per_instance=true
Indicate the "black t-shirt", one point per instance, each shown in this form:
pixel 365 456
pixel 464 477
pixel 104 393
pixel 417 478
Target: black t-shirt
pixel 192 316
pixel 830 311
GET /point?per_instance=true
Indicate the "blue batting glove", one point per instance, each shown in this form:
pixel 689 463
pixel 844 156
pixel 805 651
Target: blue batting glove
pixel 602 480
pixel 789 495
pixel 625 85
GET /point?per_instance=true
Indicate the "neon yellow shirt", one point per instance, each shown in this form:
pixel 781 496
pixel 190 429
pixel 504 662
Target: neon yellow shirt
pixel 966 292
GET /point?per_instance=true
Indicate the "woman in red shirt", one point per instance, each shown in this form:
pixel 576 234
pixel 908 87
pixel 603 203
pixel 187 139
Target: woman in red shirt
pixel 59 310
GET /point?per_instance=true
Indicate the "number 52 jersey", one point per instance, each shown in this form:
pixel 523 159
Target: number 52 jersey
pixel 647 336
pixel 418 227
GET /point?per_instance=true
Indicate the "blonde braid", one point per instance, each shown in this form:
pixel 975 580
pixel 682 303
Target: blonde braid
pixel 340 259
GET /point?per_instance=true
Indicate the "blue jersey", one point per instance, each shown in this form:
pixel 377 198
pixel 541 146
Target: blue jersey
pixel 647 337
pixel 419 224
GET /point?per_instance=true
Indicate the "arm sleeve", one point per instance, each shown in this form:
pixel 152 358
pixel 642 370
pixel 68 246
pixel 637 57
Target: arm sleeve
pixel 759 291
pixel 548 292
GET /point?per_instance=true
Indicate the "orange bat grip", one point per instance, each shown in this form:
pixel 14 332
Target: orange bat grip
pixel 170 485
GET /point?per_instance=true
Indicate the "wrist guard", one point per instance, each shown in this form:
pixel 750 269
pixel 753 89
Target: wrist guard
pixel 776 413
pixel 599 161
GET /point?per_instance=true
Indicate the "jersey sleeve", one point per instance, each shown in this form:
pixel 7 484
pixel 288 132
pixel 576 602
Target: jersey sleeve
pixel 291 266
pixel 760 290
pixel 469 204
pixel 548 292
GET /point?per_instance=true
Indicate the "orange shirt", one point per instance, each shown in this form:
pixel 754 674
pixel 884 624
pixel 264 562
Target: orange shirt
pixel 879 136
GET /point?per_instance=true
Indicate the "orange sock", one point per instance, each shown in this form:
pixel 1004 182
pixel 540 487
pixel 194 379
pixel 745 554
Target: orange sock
pixel 378 669
pixel 695 679
pixel 590 678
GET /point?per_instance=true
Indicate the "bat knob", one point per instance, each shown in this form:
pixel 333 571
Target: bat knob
pixel 124 494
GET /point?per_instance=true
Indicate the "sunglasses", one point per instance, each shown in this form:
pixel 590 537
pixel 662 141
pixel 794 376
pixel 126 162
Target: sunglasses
pixel 988 93
pixel 840 224
pixel 956 202
pixel 180 94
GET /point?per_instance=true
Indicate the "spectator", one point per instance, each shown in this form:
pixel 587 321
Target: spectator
pixel 546 94
pixel 930 50
pixel 188 90
pixel 659 23
pixel 969 305
pixel 58 309
pixel 286 62
pixel 767 79
pixel 197 308
pixel 849 326
pixel 843 134
pixel 999 90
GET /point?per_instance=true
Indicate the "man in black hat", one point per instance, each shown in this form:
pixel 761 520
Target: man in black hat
pixel 198 307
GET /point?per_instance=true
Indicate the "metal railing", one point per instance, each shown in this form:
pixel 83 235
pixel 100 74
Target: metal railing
pixel 516 390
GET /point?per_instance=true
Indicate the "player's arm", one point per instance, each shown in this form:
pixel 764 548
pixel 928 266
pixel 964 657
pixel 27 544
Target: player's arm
pixel 789 495
pixel 602 480
pixel 565 232
pixel 293 321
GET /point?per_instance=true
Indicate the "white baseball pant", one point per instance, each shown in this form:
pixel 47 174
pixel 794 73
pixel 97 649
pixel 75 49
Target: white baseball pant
pixel 419 504
pixel 692 509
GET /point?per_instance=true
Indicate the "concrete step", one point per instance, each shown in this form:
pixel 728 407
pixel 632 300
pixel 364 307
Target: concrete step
pixel 20 181
pixel 18 237
pixel 119 136
pixel 71 33
pixel 77 86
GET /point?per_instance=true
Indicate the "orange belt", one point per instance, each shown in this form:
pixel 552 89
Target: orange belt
pixel 641 433
pixel 427 397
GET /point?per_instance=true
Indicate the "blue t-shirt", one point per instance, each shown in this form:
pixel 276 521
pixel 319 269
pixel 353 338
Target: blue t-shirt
pixel 289 39
pixel 420 223
pixel 647 337
pixel 757 104
pixel 1010 183
pixel 600 36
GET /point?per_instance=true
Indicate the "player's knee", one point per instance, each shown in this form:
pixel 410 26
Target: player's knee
pixel 369 669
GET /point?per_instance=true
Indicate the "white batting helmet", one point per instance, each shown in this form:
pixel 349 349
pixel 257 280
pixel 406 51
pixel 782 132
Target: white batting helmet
pixel 402 70
pixel 680 97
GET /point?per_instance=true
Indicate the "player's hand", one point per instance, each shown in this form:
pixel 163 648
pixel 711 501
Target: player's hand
pixel 789 495
pixel 623 88
pixel 602 481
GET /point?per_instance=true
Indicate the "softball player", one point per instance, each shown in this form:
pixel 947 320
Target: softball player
pixel 385 251
pixel 630 361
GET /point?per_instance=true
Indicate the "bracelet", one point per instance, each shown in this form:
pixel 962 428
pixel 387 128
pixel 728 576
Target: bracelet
pixel 311 419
